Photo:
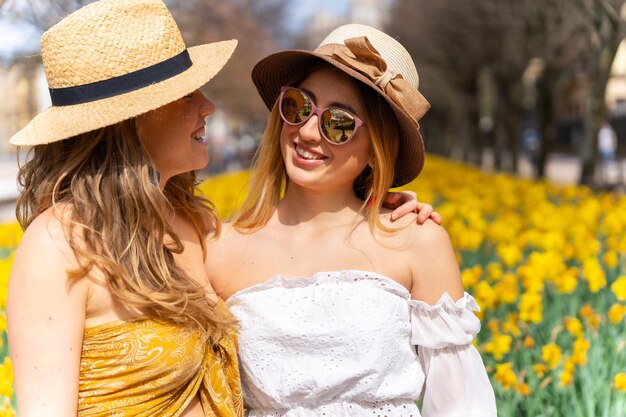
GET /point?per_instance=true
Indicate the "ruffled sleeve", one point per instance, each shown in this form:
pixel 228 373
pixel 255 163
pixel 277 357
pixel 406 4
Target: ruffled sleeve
pixel 456 383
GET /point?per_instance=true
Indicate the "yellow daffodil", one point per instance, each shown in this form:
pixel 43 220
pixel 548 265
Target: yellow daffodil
pixel 594 274
pixel 619 382
pixel 505 375
pixel 610 259
pixel 485 295
pixel 499 345
pixel 540 369
pixel 529 342
pixel 579 351
pixel 586 311
pixel 6 378
pixel 619 288
pixel 566 378
pixel 531 308
pixel 567 282
pixel 616 313
pixel 573 326
pixel 551 355
pixel 523 389
pixel 471 276
pixel 507 288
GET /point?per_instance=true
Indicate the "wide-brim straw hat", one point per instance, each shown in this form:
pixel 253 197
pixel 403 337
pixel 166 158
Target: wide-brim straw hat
pixel 113 60
pixel 371 57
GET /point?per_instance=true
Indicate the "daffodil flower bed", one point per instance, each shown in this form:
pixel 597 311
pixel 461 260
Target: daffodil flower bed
pixel 546 264
pixel 10 235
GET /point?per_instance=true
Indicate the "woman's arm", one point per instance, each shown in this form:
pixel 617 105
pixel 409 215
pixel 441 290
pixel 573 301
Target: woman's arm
pixel 434 268
pixel 443 327
pixel 46 319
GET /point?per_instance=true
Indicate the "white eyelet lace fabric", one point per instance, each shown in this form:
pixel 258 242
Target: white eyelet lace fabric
pixel 341 343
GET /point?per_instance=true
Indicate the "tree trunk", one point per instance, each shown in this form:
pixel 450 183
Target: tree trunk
pixel 610 33
pixel 499 127
pixel 510 114
pixel 595 114
pixel 475 135
pixel 545 105
pixel 513 129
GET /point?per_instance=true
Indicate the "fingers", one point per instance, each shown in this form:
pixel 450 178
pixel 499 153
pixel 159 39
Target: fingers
pixel 406 202
pixel 424 211
pixel 406 208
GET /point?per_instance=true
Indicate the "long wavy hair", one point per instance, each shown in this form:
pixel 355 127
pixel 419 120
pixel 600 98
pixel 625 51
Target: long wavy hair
pixel 269 179
pixel 116 221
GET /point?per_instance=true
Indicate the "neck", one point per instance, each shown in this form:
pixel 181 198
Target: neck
pixel 300 206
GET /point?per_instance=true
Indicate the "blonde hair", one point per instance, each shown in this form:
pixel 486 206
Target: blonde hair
pixel 268 181
pixel 117 221
pixel 269 178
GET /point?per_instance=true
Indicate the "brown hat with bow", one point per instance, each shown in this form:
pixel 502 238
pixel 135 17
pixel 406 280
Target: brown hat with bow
pixel 373 58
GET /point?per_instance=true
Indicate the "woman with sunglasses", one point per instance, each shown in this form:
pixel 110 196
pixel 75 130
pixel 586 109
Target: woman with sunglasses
pixel 341 311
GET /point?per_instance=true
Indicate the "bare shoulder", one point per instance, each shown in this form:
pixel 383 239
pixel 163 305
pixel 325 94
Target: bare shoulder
pixel 219 249
pixel 46 238
pixel 228 236
pixel 430 234
pixel 408 232
pixel 432 261
pixel 44 257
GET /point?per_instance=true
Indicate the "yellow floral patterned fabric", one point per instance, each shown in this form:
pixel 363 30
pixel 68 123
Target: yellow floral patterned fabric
pixel 153 368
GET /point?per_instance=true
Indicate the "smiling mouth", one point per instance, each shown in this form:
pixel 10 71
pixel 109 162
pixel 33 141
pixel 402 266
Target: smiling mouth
pixel 198 136
pixel 308 155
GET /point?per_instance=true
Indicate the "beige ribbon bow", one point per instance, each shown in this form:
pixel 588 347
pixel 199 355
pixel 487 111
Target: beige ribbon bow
pixel 360 55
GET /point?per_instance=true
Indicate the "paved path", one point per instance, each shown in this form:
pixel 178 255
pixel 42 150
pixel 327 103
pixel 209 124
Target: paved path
pixel 565 169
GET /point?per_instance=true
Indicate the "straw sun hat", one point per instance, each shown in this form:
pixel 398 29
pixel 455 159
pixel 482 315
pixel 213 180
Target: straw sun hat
pixel 371 57
pixel 113 60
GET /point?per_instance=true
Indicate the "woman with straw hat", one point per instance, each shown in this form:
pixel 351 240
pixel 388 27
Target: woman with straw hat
pixel 109 309
pixel 341 312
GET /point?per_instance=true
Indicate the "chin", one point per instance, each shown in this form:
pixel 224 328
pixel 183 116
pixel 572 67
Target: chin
pixel 314 181
pixel 201 164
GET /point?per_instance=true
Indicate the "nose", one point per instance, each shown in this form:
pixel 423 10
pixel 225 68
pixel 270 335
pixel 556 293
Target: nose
pixel 205 106
pixel 310 131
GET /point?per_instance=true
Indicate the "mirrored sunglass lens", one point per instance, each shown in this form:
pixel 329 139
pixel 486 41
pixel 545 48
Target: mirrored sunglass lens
pixel 338 125
pixel 295 107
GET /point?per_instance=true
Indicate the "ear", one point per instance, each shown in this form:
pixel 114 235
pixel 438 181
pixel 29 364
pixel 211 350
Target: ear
pixel 371 161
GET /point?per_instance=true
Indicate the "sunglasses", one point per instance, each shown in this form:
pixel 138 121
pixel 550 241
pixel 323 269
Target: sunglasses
pixel 336 125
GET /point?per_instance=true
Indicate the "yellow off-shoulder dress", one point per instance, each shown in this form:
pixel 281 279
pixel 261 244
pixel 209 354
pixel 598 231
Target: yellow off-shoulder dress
pixel 153 368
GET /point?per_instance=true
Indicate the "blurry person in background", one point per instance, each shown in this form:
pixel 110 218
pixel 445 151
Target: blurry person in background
pixel 530 147
pixel 607 147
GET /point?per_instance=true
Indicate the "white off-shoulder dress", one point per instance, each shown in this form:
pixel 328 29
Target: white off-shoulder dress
pixel 354 343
